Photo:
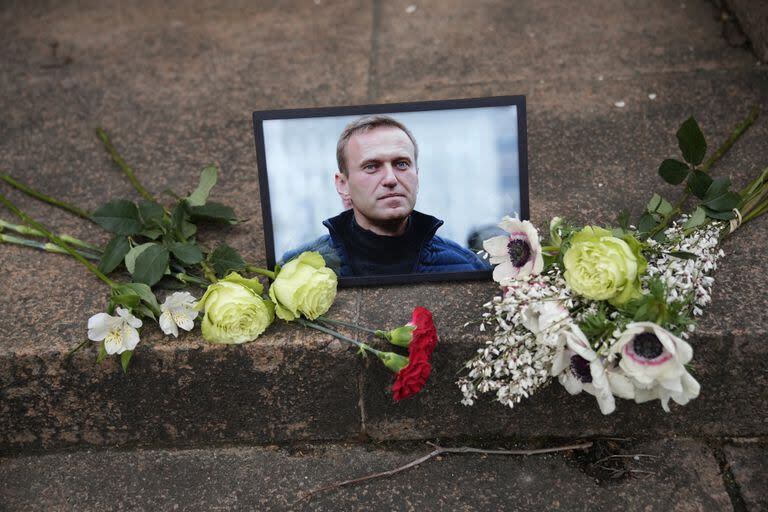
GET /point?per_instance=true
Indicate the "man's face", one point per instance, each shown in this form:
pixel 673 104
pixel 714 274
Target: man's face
pixel 383 181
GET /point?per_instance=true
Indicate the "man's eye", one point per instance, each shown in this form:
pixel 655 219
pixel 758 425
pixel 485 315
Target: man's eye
pixel 402 165
pixel 369 167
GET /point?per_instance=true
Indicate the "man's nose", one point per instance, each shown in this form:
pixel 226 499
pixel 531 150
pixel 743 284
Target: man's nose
pixel 390 178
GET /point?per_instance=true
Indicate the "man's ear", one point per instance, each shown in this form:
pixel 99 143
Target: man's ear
pixel 342 188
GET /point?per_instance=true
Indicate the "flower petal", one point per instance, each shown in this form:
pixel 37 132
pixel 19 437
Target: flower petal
pixel 496 247
pixel 167 325
pixel 99 326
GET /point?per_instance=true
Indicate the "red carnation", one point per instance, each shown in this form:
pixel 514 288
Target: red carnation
pixel 425 334
pixel 412 378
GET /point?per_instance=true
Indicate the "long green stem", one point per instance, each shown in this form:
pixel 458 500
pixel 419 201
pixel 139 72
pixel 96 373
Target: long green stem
pixel 26 230
pixel 188 279
pixel 338 335
pixel 717 155
pixel 56 240
pixel 261 271
pixel 735 134
pixel 47 199
pixel 42 246
pixel 346 324
pixel 123 166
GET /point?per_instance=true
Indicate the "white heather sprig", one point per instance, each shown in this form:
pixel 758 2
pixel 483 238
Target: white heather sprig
pixel 687 279
pixel 515 363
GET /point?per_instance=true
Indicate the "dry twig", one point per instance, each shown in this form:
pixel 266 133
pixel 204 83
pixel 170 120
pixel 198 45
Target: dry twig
pixel 439 450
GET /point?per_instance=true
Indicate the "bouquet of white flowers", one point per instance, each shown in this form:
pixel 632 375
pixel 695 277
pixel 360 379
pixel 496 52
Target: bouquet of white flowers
pixel 610 310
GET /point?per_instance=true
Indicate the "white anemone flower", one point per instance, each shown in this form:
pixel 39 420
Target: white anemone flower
pixel 579 368
pixel 654 359
pixel 516 255
pixel 544 315
pixel 119 333
pixel 178 310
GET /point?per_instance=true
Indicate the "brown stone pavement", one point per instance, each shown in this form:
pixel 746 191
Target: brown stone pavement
pixel 175 84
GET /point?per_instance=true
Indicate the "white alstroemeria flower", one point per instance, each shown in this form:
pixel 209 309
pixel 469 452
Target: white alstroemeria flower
pixel 579 368
pixel 517 255
pixel 118 332
pixel 178 310
pixel 654 359
pixel 541 316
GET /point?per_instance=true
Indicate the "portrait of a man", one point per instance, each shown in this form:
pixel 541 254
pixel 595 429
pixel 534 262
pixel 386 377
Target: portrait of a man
pixel 380 232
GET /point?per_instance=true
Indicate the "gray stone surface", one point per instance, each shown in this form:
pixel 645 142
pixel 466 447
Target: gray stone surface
pixel 753 18
pixel 747 463
pixel 682 476
pixel 175 86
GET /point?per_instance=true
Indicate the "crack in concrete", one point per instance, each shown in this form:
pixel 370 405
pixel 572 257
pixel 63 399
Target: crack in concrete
pixel 373 90
pixel 732 487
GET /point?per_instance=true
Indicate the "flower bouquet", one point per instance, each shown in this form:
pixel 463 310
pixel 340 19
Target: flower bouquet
pixel 610 310
pixel 155 246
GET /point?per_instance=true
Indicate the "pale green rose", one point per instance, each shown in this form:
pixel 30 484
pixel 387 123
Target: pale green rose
pixel 304 286
pixel 234 310
pixel 600 266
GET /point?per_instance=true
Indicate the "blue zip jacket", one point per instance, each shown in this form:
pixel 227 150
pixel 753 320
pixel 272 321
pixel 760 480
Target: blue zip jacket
pixel 435 255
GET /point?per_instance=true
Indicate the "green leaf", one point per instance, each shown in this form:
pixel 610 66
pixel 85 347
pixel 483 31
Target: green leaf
pixel 151 264
pixel 225 259
pixel 130 301
pixel 119 216
pixel 646 223
pixel 699 183
pixel 144 292
pixel 683 255
pixel 718 187
pixel 725 202
pixel 673 171
pixel 130 257
pixel 151 213
pixel 152 234
pixel 143 310
pixel 714 214
pixel 114 253
pixel 623 220
pixel 659 205
pixel 102 353
pixel 213 211
pixel 691 142
pixel 125 360
pixel 207 181
pixel 182 228
pixel 698 218
pixel 187 253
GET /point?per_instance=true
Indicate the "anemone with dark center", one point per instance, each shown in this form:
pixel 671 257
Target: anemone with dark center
pixel 519 251
pixel 647 345
pixel 580 368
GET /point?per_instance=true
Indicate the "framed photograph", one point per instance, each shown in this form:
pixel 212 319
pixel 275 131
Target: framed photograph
pixel 394 193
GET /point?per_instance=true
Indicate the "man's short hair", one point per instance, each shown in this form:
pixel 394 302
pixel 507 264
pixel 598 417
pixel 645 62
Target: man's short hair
pixel 365 124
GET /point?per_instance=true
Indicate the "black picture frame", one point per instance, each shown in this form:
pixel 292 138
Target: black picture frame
pixel 259 117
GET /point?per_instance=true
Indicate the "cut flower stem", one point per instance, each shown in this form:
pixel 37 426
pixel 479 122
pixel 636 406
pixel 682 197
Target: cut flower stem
pixel 43 246
pixel 45 198
pixel 123 166
pixel 338 335
pixel 348 324
pixel 56 240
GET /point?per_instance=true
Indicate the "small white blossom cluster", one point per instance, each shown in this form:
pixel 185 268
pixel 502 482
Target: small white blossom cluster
pixel 526 320
pixel 687 279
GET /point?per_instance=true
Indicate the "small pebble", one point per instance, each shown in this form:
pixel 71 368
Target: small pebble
pixel 652 96
pixel 600 78
pixel 620 104
pixel 410 9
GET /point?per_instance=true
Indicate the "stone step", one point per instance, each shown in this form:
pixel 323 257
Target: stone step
pixel 175 87
pixel 652 475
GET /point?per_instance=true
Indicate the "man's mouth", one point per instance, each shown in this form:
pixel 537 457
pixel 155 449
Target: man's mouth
pixel 391 195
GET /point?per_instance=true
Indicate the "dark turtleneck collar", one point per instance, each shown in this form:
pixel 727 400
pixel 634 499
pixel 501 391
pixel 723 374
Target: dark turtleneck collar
pixel 372 254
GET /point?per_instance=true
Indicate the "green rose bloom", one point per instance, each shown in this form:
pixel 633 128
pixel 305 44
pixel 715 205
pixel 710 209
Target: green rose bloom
pixel 600 266
pixel 234 310
pixel 303 286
